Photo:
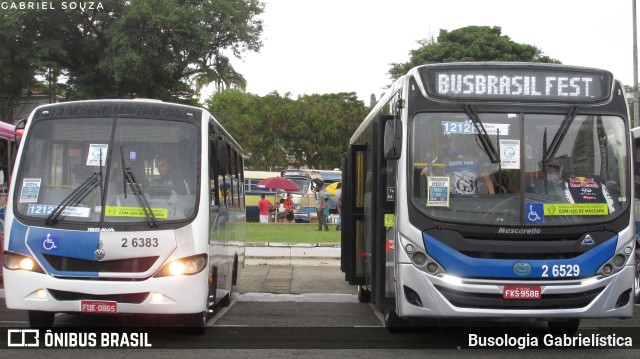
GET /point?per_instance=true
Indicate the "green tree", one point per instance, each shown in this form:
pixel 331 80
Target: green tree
pixel 17 68
pixel 278 132
pixel 151 48
pixel 471 43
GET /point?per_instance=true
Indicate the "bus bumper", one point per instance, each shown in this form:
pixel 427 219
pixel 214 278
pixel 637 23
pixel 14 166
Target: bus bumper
pixel 436 293
pixel 179 295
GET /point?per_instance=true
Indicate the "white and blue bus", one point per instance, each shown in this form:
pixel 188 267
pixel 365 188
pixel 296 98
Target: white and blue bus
pixel 493 190
pixel 96 224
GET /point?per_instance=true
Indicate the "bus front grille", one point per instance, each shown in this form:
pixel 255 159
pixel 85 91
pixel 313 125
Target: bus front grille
pixel 129 265
pixel 495 301
pixel 131 298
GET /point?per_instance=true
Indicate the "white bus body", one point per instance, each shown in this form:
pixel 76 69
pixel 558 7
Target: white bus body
pixel 93 227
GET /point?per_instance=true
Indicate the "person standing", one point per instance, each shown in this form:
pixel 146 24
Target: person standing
pixel 337 198
pixel 321 195
pixel 264 207
pixel 288 206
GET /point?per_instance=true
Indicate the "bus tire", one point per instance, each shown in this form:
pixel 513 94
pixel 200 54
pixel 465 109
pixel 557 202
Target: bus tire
pixel 39 319
pixel 364 295
pixel 393 322
pixel 564 326
pixel 636 286
pixel 196 323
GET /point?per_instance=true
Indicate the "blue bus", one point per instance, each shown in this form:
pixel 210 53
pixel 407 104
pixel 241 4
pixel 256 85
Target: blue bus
pixel 493 190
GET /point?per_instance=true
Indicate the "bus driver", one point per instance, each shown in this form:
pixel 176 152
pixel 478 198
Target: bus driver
pixel 464 167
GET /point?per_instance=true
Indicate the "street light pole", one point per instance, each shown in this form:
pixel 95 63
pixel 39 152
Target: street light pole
pixel 636 105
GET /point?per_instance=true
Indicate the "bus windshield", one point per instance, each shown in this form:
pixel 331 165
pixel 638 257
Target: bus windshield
pixel 124 170
pixel 551 168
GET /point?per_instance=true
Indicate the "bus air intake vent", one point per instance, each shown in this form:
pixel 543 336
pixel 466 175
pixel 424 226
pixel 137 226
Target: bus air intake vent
pixel 131 298
pixel 495 301
pixel 129 265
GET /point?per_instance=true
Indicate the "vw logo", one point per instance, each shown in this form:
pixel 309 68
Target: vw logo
pixel 99 253
pixel 522 268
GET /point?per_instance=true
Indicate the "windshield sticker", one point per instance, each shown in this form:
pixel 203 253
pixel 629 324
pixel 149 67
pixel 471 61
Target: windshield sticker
pixel 576 209
pixel 510 154
pixel 438 191
pixel 30 190
pixel 467 127
pixel 46 209
pixel 534 212
pixel 97 155
pixel 114 211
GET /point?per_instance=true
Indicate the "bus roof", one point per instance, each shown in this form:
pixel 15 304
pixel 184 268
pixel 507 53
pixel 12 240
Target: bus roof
pixel 7 129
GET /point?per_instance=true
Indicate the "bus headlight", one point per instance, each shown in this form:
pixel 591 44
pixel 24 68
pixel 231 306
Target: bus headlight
pixel 15 261
pixel 617 262
pixel 183 266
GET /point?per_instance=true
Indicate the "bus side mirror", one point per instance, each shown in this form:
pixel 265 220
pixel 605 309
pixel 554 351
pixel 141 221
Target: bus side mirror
pixel 392 139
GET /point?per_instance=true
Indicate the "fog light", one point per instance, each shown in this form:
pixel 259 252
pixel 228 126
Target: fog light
pixel 628 250
pixel 156 297
pixel 607 269
pixel 419 258
pixel 409 248
pixel 41 294
pixel 618 260
pixel 432 268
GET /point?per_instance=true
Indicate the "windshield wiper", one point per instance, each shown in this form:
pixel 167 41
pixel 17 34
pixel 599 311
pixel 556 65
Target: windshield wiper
pixel 136 188
pixel 559 136
pixel 549 153
pixel 482 134
pixel 79 193
pixel 75 196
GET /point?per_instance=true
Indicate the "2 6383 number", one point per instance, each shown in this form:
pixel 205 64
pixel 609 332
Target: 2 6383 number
pixel 139 242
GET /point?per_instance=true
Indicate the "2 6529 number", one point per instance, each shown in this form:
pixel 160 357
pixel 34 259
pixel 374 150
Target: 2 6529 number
pixel 139 242
pixel 561 270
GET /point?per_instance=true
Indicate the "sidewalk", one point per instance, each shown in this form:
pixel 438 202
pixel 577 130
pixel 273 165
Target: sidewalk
pixel 281 268
pixel 292 254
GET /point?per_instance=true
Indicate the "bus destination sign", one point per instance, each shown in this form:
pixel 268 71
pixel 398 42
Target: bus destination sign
pixel 518 83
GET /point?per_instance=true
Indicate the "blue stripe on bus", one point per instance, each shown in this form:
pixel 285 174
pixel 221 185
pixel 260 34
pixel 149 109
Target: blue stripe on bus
pixel 458 264
pixel 17 243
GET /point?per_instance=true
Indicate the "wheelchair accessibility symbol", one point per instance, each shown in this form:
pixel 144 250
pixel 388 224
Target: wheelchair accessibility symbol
pixel 49 244
pixel 534 212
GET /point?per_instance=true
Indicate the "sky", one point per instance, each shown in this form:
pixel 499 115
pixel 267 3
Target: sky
pixel 331 46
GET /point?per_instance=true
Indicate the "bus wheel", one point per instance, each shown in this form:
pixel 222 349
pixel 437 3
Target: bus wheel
pixel 38 319
pixel 393 322
pixel 364 295
pixel 196 323
pixel 564 326
pixel 636 288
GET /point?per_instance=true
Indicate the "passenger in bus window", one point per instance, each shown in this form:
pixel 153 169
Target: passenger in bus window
pixel 464 166
pixel 169 178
